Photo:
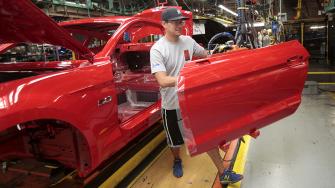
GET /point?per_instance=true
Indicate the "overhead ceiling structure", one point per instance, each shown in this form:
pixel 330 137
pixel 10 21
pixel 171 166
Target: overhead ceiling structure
pixel 92 8
pixel 309 9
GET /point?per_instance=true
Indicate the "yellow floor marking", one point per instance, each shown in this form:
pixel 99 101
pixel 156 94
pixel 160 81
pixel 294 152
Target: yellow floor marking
pixel 321 72
pixel 122 172
pixel 241 160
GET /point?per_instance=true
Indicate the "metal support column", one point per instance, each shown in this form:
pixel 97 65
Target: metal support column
pixel 110 4
pixel 302 25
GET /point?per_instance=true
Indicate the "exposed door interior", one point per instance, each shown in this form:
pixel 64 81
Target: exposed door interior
pixel 137 87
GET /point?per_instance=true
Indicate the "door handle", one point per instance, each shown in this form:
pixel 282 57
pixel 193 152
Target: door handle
pixel 202 61
pixel 105 100
pixel 295 60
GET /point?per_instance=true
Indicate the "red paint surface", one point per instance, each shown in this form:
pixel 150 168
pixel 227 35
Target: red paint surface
pixel 223 98
pixel 230 95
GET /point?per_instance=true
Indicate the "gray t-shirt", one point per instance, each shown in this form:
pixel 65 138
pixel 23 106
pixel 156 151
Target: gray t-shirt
pixel 170 57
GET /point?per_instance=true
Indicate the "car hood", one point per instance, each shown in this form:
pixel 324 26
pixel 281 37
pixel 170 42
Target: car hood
pixel 22 22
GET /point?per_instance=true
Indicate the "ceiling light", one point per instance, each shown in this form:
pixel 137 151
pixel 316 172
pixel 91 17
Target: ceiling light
pixel 317 27
pixel 227 10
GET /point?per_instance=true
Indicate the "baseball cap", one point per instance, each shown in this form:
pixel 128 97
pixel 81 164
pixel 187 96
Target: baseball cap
pixel 172 14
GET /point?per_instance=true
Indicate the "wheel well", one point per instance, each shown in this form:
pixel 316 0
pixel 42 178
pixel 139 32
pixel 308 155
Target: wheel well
pixel 46 140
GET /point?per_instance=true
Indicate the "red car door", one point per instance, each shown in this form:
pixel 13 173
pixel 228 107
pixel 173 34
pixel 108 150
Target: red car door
pixel 227 96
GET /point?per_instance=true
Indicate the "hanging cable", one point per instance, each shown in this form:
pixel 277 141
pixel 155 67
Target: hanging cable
pixel 190 9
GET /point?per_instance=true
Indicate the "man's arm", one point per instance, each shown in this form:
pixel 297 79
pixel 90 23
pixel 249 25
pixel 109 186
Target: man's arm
pixel 198 50
pixel 203 54
pixel 164 80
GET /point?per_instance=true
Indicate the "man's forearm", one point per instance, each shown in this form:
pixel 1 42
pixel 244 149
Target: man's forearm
pixel 168 81
pixel 165 80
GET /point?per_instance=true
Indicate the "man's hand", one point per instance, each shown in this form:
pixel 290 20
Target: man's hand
pixel 164 80
pixel 236 48
pixel 204 54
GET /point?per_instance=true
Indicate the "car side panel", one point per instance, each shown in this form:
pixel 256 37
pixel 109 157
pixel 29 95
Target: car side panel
pixel 71 96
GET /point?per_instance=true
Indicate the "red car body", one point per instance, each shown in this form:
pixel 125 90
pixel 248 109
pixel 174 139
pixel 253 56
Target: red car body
pixel 80 112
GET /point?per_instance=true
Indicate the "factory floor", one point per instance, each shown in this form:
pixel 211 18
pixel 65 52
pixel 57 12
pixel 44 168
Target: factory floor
pixel 298 151
pixel 199 172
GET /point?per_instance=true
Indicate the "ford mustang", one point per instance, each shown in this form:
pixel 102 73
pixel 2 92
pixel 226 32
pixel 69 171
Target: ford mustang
pixel 77 92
